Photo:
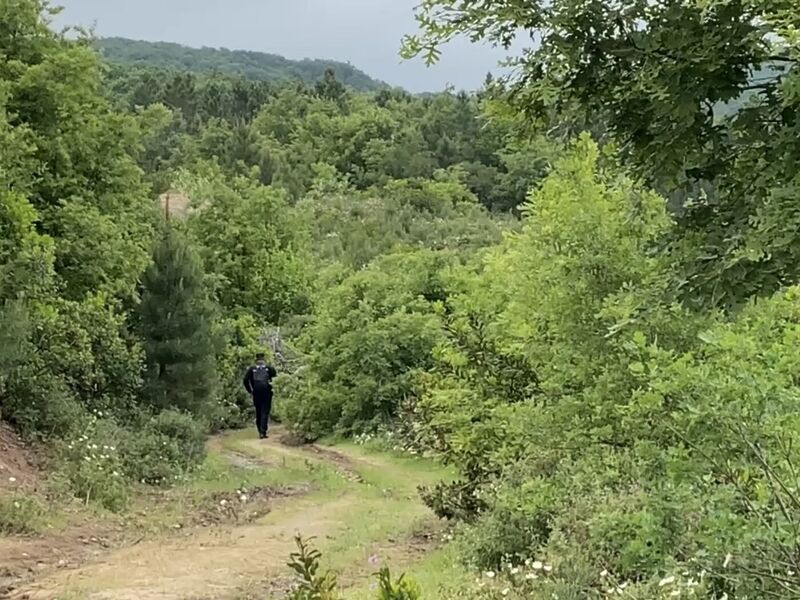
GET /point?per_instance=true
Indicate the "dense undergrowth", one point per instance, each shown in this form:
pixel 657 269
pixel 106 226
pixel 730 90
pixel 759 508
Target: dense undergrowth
pixel 598 332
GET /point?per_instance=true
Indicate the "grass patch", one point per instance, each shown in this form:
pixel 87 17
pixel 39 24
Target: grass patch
pixel 274 465
pixel 389 469
pixel 234 463
pixel 439 575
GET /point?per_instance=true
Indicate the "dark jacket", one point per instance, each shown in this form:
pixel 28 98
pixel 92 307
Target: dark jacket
pixel 248 378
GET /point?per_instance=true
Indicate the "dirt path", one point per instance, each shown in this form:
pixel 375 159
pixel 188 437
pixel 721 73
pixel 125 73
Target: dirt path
pixel 226 561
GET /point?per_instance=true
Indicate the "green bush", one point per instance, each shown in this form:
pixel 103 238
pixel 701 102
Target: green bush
pixel 167 446
pixel 99 459
pixel 402 589
pixel 80 360
pixel 21 514
pixel 312 583
pixel 39 404
pixel 251 242
pixel 90 464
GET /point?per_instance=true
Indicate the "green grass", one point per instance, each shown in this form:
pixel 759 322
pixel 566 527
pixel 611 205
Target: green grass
pixel 438 575
pixel 369 529
pixel 280 467
pixel 389 469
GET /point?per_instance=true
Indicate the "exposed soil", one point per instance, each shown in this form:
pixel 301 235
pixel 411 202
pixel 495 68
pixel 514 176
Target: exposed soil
pixel 18 463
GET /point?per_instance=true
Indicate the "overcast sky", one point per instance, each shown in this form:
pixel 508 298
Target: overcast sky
pixel 365 32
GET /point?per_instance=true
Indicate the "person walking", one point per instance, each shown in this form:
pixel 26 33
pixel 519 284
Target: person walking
pixel 258 383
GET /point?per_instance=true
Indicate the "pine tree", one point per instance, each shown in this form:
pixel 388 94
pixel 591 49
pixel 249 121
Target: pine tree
pixel 176 321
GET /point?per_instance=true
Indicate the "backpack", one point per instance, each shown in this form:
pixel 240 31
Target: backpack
pixel 261 379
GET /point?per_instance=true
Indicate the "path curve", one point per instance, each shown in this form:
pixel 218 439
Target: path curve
pixel 217 562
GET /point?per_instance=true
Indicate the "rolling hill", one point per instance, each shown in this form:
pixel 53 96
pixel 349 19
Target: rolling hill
pixel 253 65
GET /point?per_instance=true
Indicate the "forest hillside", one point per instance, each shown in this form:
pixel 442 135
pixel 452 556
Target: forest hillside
pixel 252 65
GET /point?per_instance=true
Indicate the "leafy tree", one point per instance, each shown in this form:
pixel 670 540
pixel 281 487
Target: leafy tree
pixel 87 188
pixel 657 74
pixel 176 325
pixel 371 331
pixel 251 242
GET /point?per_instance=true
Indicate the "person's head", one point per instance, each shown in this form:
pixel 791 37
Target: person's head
pixel 260 357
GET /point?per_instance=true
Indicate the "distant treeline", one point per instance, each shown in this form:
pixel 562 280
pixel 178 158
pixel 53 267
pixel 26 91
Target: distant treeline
pixel 252 65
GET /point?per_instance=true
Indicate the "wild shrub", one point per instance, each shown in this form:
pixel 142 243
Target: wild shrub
pixel 312 583
pixel 90 464
pixel 21 514
pixel 166 446
pixel 402 589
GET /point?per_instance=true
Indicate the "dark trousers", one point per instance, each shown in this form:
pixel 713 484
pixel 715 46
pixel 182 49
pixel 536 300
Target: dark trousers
pixel 263 403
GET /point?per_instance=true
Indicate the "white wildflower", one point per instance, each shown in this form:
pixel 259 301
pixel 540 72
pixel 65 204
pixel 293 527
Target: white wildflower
pixel 604 573
pixel 490 574
pixel 537 565
pixel 514 570
pixel 505 592
pixel 531 576
pixel 547 568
